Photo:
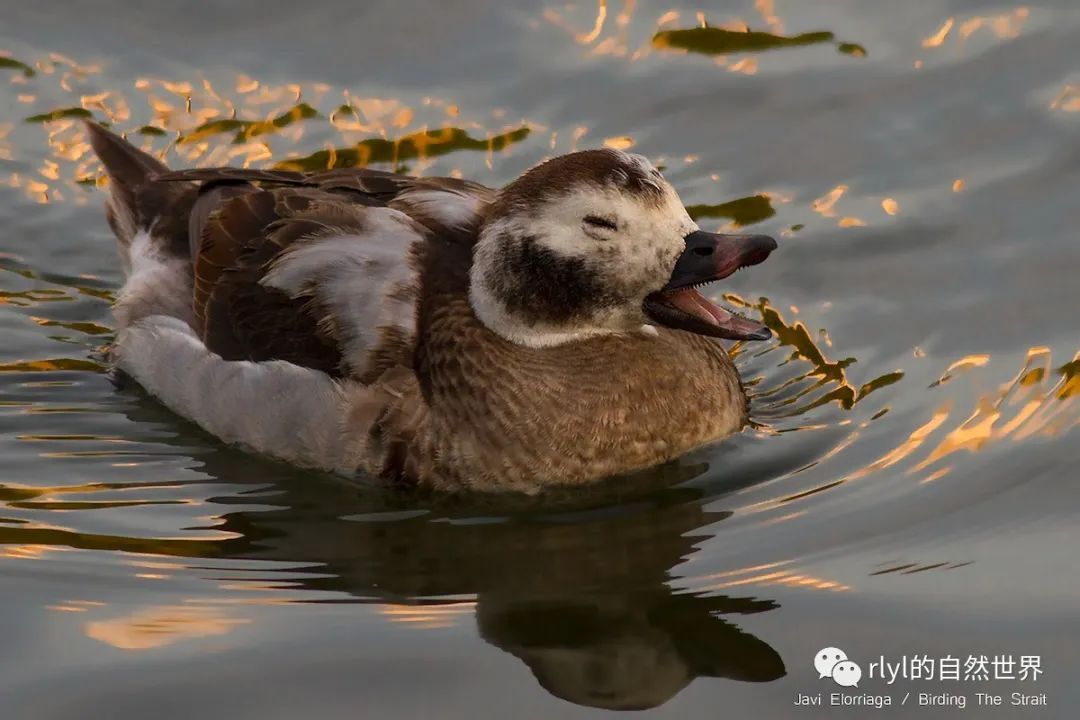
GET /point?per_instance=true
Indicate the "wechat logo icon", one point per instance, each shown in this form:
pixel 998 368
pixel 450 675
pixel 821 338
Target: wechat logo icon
pixel 833 663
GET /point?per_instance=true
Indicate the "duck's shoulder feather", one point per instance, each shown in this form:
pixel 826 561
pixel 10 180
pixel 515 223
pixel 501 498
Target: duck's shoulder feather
pixel 324 270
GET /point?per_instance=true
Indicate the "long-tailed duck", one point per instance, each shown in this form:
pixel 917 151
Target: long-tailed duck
pixel 430 331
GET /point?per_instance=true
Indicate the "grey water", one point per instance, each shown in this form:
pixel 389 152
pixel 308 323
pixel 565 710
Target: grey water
pixel 909 487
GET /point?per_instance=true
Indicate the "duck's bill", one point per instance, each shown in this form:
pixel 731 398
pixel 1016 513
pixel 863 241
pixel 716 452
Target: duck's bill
pixel 709 257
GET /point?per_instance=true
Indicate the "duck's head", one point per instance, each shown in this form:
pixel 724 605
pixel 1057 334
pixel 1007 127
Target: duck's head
pixel 598 242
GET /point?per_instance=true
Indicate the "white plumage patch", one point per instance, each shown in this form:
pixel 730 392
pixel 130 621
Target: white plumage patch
pixel 276 408
pixel 452 210
pixel 364 280
pixel 157 283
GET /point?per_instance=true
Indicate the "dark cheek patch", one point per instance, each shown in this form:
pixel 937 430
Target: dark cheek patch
pixel 539 286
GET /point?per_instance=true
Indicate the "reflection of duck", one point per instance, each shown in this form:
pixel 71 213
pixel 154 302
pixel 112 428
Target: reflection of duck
pixel 580 596
pixel 431 330
pixel 616 653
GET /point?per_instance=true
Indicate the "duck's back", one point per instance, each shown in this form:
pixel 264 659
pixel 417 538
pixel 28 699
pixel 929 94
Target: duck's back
pixel 320 270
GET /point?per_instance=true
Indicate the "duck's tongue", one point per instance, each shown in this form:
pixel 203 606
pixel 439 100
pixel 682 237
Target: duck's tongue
pixel 727 324
pixel 709 257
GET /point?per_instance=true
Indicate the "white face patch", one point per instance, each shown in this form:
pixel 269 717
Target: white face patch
pixel 628 262
pixel 644 245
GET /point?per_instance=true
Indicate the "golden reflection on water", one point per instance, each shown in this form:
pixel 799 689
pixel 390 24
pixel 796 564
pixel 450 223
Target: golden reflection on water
pixel 965 363
pixel 956 31
pixel 1068 100
pixel 158 626
pixel 774 573
pixel 1004 26
pixel 432 616
pixel 1040 401
pixel 823 381
pixel 1037 401
pixel 622 142
pixel 26 551
pixel 205 125
pixel 826 207
pixel 74 606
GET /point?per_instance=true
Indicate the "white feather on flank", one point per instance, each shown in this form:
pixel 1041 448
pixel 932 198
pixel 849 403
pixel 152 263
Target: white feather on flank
pixel 276 408
pixel 364 279
pixel 157 283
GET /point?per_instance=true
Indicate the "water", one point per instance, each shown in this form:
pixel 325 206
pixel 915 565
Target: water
pixel 909 487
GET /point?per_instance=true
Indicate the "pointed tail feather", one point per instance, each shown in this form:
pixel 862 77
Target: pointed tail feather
pixel 150 222
pixel 137 203
pixel 126 164
pixel 130 170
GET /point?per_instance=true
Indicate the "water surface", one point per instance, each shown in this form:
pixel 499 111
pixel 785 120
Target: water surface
pixel 909 486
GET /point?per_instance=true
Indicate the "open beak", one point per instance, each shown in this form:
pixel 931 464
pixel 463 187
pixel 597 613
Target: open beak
pixel 709 257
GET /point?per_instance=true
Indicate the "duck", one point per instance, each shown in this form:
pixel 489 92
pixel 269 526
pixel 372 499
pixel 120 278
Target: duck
pixel 430 332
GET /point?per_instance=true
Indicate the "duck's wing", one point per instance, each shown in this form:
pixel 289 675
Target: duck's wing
pixel 319 270
pixel 439 203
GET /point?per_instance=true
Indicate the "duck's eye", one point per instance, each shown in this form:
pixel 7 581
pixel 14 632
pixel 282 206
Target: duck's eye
pixel 600 222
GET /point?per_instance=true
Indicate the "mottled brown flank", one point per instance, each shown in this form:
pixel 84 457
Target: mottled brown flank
pixel 569 173
pixel 538 285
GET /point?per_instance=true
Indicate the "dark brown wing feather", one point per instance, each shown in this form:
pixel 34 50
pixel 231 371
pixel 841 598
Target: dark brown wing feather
pixel 278 177
pixel 377 185
pixel 241 319
pixel 363 186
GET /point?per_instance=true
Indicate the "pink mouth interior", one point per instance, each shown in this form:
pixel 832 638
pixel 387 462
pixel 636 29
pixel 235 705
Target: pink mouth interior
pixel 693 303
